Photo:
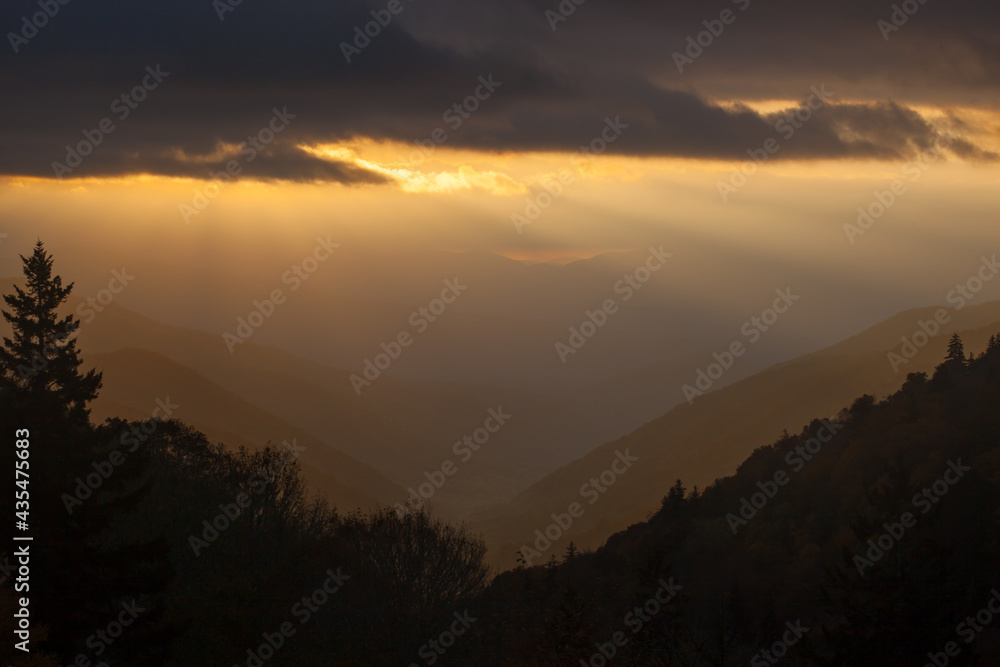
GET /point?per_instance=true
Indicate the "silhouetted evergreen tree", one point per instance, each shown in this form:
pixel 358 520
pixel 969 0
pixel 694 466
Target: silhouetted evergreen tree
pixel 956 350
pixel 674 500
pixel 40 364
pixel 78 582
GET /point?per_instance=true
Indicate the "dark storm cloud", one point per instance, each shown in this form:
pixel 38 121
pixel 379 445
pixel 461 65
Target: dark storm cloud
pixel 606 60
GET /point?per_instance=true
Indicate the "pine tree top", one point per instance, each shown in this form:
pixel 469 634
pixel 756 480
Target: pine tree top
pixel 956 349
pixel 40 359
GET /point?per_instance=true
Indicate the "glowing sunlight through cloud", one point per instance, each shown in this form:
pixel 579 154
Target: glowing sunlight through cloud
pixel 413 180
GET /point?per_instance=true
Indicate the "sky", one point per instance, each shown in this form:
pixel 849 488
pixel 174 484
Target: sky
pixel 221 72
pixel 767 133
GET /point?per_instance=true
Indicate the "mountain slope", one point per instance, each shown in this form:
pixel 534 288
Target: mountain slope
pixel 878 548
pixel 701 442
pixel 222 416
pixel 400 427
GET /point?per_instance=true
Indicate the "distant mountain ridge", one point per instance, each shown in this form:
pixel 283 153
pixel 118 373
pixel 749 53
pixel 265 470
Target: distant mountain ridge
pixel 400 428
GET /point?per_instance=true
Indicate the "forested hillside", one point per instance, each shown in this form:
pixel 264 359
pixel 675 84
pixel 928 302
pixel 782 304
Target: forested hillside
pixel 877 530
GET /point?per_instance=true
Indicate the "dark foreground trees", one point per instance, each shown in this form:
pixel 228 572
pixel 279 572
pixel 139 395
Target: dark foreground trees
pixel 183 552
pixel 80 580
pixel 881 550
